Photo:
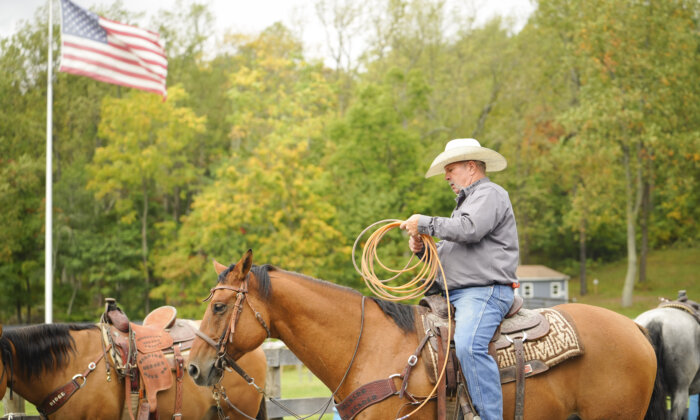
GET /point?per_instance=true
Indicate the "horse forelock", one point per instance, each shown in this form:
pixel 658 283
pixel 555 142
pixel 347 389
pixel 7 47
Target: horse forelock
pixel 40 348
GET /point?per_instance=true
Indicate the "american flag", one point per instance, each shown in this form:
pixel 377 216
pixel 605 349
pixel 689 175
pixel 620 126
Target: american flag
pixel 110 51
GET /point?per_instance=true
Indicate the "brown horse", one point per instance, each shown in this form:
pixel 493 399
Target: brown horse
pixel 321 323
pixel 46 357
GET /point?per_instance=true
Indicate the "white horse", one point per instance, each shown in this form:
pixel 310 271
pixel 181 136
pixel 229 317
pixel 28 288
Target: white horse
pixel 675 335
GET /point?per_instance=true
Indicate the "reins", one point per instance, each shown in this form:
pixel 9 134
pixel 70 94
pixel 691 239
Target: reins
pixel 429 265
pixel 223 358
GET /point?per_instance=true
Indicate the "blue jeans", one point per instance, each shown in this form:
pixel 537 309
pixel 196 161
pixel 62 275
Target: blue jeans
pixel 478 312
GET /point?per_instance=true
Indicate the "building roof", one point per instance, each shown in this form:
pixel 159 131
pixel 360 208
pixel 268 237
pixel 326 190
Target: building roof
pixel 538 272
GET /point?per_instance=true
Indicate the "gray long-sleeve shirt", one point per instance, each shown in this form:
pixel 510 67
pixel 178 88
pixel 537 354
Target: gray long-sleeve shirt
pixel 479 242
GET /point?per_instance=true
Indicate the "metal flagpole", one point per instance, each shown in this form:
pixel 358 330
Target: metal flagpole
pixel 48 242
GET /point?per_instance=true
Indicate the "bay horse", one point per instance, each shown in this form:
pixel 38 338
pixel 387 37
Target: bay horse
pixel 675 335
pixel 42 358
pixel 329 326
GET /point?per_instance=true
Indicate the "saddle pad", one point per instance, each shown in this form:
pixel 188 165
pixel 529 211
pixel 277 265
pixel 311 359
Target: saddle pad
pixel 561 343
pixel 155 374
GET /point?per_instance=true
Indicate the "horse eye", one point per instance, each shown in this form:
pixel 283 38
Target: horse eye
pixel 219 308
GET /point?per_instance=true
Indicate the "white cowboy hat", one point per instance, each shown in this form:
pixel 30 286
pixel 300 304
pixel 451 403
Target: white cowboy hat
pixel 466 149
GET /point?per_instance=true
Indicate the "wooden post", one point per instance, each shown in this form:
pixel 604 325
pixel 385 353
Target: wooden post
pixel 14 405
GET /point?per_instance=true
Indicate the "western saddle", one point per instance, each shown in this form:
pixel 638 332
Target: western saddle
pixel 518 326
pixel 146 356
pixel 683 303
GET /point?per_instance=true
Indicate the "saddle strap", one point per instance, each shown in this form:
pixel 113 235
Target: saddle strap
pixel 179 375
pixel 365 396
pixel 519 378
pixel 412 360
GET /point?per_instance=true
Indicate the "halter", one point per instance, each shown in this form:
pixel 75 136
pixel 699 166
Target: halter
pixel 227 335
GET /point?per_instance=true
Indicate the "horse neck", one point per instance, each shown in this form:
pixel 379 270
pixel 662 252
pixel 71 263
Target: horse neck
pixel 36 388
pixel 320 323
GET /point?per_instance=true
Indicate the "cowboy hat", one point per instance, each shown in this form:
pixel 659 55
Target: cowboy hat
pixel 466 149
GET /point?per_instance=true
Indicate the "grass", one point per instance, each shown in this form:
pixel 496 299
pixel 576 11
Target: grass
pixel 299 382
pixel 667 272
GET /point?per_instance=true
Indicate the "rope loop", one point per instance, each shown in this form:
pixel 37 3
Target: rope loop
pixel 428 266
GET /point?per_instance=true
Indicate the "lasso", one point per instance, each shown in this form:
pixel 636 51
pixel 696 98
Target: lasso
pixel 419 284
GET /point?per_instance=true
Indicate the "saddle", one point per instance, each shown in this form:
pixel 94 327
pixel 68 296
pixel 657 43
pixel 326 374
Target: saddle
pixel 683 303
pixel 517 346
pixel 147 355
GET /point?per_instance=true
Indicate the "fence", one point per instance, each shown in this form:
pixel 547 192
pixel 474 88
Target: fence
pixel 278 356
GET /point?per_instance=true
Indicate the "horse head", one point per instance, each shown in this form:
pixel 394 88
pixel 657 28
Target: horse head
pixel 232 325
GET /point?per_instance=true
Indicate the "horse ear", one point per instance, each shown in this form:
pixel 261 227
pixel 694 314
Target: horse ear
pixel 219 267
pixel 245 263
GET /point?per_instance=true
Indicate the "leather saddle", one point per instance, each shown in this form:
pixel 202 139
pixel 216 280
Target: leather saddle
pixel 148 354
pixel 682 302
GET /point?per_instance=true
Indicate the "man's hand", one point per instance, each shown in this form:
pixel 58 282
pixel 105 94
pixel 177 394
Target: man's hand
pixel 415 243
pixel 410 225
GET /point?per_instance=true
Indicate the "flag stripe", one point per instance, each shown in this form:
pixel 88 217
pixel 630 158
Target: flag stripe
pixel 145 33
pixel 111 51
pixel 155 67
pixel 128 44
pixel 134 72
pixel 103 74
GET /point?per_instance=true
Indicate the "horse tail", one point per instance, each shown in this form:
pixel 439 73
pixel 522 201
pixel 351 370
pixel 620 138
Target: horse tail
pixel 657 404
pixel 262 412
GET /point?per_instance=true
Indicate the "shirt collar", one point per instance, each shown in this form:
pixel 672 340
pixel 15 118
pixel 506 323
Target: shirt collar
pixel 464 192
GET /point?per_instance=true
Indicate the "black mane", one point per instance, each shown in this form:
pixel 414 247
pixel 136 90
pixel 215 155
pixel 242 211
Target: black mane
pixel 402 315
pixel 39 348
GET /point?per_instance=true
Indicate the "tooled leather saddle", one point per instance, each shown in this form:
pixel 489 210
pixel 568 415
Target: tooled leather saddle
pixel 147 356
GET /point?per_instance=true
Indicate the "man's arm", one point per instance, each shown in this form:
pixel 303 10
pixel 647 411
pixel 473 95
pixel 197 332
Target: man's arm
pixel 471 222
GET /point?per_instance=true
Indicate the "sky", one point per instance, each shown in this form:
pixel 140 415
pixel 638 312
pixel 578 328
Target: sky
pixel 253 16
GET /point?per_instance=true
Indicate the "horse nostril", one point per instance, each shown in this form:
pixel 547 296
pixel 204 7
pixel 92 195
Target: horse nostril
pixel 193 370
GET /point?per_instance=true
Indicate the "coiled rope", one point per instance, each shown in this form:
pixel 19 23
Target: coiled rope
pixel 428 266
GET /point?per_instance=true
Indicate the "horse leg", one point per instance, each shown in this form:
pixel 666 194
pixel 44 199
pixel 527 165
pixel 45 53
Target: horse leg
pixel 680 404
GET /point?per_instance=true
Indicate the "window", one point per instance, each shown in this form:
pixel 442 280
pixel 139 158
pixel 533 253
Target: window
pixel 555 290
pixel 528 290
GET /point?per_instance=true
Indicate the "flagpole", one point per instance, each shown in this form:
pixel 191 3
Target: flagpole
pixel 48 242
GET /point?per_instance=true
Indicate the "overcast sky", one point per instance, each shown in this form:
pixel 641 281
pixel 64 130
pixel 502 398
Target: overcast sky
pixel 251 16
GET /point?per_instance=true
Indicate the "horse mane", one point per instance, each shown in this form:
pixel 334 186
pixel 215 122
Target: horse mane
pixel 402 315
pixel 261 272
pixel 40 348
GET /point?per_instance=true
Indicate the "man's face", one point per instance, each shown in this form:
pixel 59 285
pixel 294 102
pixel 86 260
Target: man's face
pixel 458 175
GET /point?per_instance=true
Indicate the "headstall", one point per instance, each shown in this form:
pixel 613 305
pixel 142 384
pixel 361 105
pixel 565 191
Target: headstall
pixel 230 329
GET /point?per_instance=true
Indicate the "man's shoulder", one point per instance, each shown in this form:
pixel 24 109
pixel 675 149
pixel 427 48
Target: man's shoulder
pixel 489 186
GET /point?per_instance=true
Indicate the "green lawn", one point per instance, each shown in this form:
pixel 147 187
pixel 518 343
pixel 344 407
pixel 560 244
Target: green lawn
pixel 667 272
pixel 298 382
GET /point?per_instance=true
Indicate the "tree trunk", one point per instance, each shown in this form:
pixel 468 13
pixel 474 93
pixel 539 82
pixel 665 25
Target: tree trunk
pixel 634 198
pixel 582 258
pixel 144 246
pixel 644 248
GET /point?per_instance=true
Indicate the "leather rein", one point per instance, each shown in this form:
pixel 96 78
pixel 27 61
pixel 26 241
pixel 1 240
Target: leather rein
pixel 223 358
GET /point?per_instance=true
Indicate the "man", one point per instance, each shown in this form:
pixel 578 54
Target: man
pixel 479 253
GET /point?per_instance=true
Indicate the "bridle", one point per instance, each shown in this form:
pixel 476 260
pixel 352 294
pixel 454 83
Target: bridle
pixel 230 326
pixel 223 358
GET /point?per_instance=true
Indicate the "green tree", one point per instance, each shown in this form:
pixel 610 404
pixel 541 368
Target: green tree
pixel 145 166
